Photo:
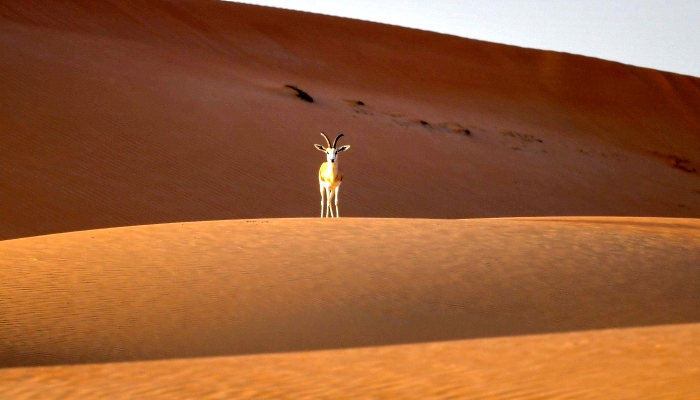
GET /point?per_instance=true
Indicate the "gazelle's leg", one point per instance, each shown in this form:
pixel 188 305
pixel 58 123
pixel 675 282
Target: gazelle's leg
pixel 335 195
pixel 322 191
pixel 329 204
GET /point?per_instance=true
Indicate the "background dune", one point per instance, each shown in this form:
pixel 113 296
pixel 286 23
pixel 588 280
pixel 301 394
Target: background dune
pixel 120 113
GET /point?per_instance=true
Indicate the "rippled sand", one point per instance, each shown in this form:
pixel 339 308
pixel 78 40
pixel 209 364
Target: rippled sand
pixel 462 291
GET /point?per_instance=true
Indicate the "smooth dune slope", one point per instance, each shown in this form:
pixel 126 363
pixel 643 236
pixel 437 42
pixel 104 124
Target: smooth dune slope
pixel 118 113
pixel 631 363
pixel 259 286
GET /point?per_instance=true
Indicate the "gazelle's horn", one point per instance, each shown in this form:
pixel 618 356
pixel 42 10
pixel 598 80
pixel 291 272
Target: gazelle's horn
pixel 336 140
pixel 326 137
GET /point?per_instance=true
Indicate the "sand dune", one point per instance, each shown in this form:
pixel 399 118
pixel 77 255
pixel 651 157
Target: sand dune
pixel 632 363
pixel 242 287
pixel 126 113
pixel 137 117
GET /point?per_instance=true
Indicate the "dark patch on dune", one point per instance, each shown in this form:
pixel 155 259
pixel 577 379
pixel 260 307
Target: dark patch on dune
pixel 300 93
pixel 446 127
pixel 454 128
pixel 677 162
pixel 355 102
pixel 523 137
pixel 522 141
pixel 593 152
pixel 359 107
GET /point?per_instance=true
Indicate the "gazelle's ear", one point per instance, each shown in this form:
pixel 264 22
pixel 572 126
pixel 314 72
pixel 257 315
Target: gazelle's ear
pixel 343 148
pixel 319 147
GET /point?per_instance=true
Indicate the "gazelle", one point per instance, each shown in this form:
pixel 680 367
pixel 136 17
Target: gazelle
pixel 329 178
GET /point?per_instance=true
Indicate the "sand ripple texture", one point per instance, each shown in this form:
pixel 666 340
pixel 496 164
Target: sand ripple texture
pixel 243 287
pixel 630 363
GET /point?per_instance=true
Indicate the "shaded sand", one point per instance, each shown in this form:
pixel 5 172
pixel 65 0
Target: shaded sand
pixel 257 286
pixel 117 113
pixel 632 363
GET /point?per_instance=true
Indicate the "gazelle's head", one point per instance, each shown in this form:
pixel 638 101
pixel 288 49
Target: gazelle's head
pixel 331 151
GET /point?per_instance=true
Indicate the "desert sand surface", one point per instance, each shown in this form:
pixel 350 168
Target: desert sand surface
pixel 458 296
pixel 631 363
pixel 516 223
pixel 120 113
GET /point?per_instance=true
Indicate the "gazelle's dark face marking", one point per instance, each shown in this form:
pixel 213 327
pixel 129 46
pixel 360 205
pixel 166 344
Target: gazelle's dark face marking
pixel 331 151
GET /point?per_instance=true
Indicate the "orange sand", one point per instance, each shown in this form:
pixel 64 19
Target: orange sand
pixel 236 287
pixel 124 113
pixel 121 113
pixel 259 286
pixel 632 363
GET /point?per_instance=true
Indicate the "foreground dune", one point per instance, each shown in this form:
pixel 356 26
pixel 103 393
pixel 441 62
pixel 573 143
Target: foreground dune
pixel 632 363
pixel 117 113
pixel 257 286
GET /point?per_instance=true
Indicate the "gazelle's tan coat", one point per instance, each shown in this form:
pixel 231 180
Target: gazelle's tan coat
pixel 329 177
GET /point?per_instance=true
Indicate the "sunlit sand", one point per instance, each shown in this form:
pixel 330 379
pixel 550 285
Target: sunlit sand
pixel 159 211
